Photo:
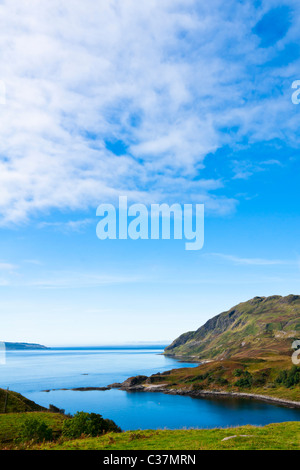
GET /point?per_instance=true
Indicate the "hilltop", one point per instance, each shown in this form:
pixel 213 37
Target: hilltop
pixel 262 327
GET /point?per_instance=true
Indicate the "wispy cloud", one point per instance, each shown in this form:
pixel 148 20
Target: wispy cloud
pixel 71 225
pixel 75 280
pixel 253 261
pixel 7 267
pixel 35 262
pixel 68 279
pixel 165 79
pixel 244 169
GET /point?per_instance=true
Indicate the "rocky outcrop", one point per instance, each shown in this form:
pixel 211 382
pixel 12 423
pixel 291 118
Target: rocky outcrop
pixel 133 383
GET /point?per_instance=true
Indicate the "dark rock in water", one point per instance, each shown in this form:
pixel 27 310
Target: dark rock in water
pixel 80 389
pixel 90 389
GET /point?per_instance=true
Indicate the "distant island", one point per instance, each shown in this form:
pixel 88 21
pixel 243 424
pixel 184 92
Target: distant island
pixel 22 346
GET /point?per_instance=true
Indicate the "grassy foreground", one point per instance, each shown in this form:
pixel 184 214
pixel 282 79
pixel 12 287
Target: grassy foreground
pixel 275 436
pixel 285 436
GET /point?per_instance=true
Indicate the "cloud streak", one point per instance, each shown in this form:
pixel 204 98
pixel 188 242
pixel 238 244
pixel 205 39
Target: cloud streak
pixel 254 261
pixel 7 267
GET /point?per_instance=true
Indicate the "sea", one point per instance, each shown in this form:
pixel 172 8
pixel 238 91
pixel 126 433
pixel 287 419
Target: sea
pixel 31 372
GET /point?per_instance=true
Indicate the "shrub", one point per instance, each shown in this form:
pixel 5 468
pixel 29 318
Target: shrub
pixel 54 409
pixel 111 426
pixel 221 381
pixel 198 378
pixel 90 424
pixel 289 378
pixel 245 381
pixel 34 429
pixel 197 387
pixel 238 372
pixel 260 379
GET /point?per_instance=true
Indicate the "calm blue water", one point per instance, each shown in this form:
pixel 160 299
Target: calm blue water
pixel 30 372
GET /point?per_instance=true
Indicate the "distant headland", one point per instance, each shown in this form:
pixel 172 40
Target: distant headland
pixel 22 346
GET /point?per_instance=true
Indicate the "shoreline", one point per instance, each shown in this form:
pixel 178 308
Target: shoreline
pixel 191 359
pixel 210 393
pixel 185 392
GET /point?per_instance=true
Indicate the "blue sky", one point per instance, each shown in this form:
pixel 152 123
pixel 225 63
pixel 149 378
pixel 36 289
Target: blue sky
pixel 174 101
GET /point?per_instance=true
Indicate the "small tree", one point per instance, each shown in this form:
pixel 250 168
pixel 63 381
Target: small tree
pixel 238 372
pixel 91 424
pixel 34 429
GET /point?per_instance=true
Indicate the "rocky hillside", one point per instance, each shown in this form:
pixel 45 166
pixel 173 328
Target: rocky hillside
pixel 260 327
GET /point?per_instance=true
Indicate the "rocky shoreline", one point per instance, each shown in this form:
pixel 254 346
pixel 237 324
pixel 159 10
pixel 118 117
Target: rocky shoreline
pixel 135 384
pixel 163 388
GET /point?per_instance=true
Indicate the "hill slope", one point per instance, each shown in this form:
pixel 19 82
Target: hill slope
pixel 260 327
pixel 14 402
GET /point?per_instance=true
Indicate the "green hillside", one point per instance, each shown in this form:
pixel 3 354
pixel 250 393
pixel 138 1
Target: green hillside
pixel 13 402
pixel 259 328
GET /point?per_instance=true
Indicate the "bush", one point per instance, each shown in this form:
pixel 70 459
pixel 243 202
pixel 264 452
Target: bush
pixel 238 372
pixel 89 424
pixel 260 379
pixel 197 387
pixel 245 381
pixel 289 378
pixel 221 381
pixel 198 378
pixel 34 429
pixel 54 409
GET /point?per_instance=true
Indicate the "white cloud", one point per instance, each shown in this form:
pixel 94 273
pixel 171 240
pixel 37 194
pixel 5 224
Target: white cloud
pixel 163 77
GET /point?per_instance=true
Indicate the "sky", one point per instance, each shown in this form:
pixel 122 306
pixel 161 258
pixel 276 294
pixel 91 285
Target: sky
pixel 177 101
